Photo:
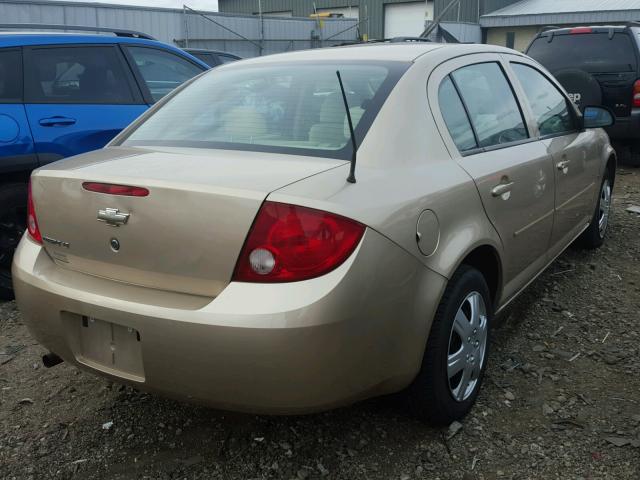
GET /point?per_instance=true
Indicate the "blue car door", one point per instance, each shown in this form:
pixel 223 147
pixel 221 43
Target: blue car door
pixel 78 97
pixel 17 152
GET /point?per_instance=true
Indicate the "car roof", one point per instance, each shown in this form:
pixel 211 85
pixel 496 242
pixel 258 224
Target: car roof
pixel 10 39
pixel 595 28
pixel 25 39
pixel 204 50
pixel 401 52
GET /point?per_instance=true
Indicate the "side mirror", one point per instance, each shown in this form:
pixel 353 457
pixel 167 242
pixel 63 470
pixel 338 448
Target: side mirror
pixel 597 117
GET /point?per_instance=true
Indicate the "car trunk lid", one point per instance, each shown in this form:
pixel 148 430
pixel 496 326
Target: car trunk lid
pixel 185 236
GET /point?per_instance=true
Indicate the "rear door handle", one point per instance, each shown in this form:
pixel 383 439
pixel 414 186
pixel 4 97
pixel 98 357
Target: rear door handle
pixel 57 121
pixel 501 189
pixel 563 165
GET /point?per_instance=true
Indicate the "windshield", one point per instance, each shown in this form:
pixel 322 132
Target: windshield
pixel 594 52
pixel 292 108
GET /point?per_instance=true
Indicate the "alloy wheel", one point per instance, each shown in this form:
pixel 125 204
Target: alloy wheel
pixel 467 346
pixel 604 207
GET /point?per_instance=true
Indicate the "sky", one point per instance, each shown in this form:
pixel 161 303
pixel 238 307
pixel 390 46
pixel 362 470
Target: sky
pixel 208 5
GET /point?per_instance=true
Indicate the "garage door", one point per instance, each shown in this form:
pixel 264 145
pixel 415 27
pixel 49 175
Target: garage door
pixel 406 19
pixel 348 12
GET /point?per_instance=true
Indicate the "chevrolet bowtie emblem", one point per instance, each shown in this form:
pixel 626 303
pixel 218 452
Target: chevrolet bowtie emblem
pixel 113 217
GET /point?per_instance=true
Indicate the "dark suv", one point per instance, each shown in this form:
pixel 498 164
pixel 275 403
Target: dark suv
pixel 599 66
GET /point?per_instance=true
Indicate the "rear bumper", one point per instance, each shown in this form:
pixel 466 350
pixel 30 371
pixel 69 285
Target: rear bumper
pixel 357 332
pixel 626 128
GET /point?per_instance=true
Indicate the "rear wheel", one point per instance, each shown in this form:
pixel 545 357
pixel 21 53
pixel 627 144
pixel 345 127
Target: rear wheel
pixel 13 216
pixel 594 235
pixel 455 357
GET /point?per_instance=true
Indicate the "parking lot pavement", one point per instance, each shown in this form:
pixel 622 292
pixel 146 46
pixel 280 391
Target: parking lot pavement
pixel 561 400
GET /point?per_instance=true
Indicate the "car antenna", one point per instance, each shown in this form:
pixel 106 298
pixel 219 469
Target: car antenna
pixel 352 171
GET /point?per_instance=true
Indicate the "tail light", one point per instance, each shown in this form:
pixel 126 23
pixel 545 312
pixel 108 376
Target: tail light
pixel 636 94
pixel 579 30
pixel 32 221
pixel 288 243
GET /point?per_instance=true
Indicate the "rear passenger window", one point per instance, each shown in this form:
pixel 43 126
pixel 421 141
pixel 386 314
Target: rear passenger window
pixel 77 75
pixel 162 71
pixel 492 107
pixel 10 76
pixel 455 117
pixel 550 108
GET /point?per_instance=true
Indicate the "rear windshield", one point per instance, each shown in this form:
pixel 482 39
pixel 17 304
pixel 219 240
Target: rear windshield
pixel 292 108
pixel 591 52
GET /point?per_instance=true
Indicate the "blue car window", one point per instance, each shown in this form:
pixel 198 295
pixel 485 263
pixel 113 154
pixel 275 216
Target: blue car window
pixel 10 76
pixel 162 71
pixel 89 75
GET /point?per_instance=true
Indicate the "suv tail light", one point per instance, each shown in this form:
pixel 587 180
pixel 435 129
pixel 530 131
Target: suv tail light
pixel 32 221
pixel 636 94
pixel 288 243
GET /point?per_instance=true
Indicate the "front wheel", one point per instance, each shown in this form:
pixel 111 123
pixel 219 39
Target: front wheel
pixel 455 357
pixel 594 235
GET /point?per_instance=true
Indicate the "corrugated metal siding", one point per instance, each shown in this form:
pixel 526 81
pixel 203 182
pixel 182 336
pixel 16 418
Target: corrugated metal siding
pixel 553 12
pixel 371 11
pixel 464 11
pixel 172 26
pixel 561 19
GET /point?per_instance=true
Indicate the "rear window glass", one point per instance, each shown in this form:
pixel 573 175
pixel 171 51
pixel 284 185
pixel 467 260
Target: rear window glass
pixel 294 109
pixel 592 52
pixel 10 76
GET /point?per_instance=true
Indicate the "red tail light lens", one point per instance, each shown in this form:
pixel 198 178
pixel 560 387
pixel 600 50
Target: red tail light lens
pixel 636 94
pixel 578 30
pixel 32 221
pixel 288 243
pixel 112 189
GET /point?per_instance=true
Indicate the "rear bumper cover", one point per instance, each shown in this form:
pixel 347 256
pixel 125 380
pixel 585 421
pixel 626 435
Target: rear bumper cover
pixel 626 128
pixel 356 332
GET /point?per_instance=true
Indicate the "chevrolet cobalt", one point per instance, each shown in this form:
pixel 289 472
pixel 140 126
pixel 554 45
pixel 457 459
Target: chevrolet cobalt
pixel 300 231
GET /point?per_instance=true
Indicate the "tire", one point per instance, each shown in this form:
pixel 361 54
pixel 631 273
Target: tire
pixel 13 217
pixel 432 396
pixel 596 233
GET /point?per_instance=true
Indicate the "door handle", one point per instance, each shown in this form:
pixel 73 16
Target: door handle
pixel 563 165
pixel 57 121
pixel 501 189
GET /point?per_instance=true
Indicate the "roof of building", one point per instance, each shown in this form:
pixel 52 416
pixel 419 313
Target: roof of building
pixel 553 12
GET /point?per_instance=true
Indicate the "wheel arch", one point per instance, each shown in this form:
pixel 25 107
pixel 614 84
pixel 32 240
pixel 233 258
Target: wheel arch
pixel 486 259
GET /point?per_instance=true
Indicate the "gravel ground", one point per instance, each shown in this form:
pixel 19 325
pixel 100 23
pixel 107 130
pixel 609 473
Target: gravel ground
pixel 561 401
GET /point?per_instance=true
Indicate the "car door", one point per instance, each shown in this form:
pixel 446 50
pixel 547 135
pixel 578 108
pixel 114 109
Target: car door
pixel 77 98
pixel 492 138
pixel 574 152
pixel 17 152
pixel 159 71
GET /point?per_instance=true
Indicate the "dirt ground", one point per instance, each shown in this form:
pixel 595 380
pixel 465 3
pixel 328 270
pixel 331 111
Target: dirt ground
pixel 561 401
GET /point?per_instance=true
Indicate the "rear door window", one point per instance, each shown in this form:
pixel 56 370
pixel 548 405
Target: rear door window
pixel 491 104
pixel 455 117
pixel 162 71
pixel 591 52
pixel 550 108
pixel 90 75
pixel 10 76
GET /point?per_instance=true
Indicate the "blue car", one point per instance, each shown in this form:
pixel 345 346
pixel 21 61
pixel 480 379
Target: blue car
pixel 64 94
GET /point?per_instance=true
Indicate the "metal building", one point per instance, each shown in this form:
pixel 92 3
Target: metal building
pixel 244 35
pixel 382 18
pixel 516 25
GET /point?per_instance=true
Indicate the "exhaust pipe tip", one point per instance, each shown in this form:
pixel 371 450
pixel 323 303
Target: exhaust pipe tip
pixel 51 360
